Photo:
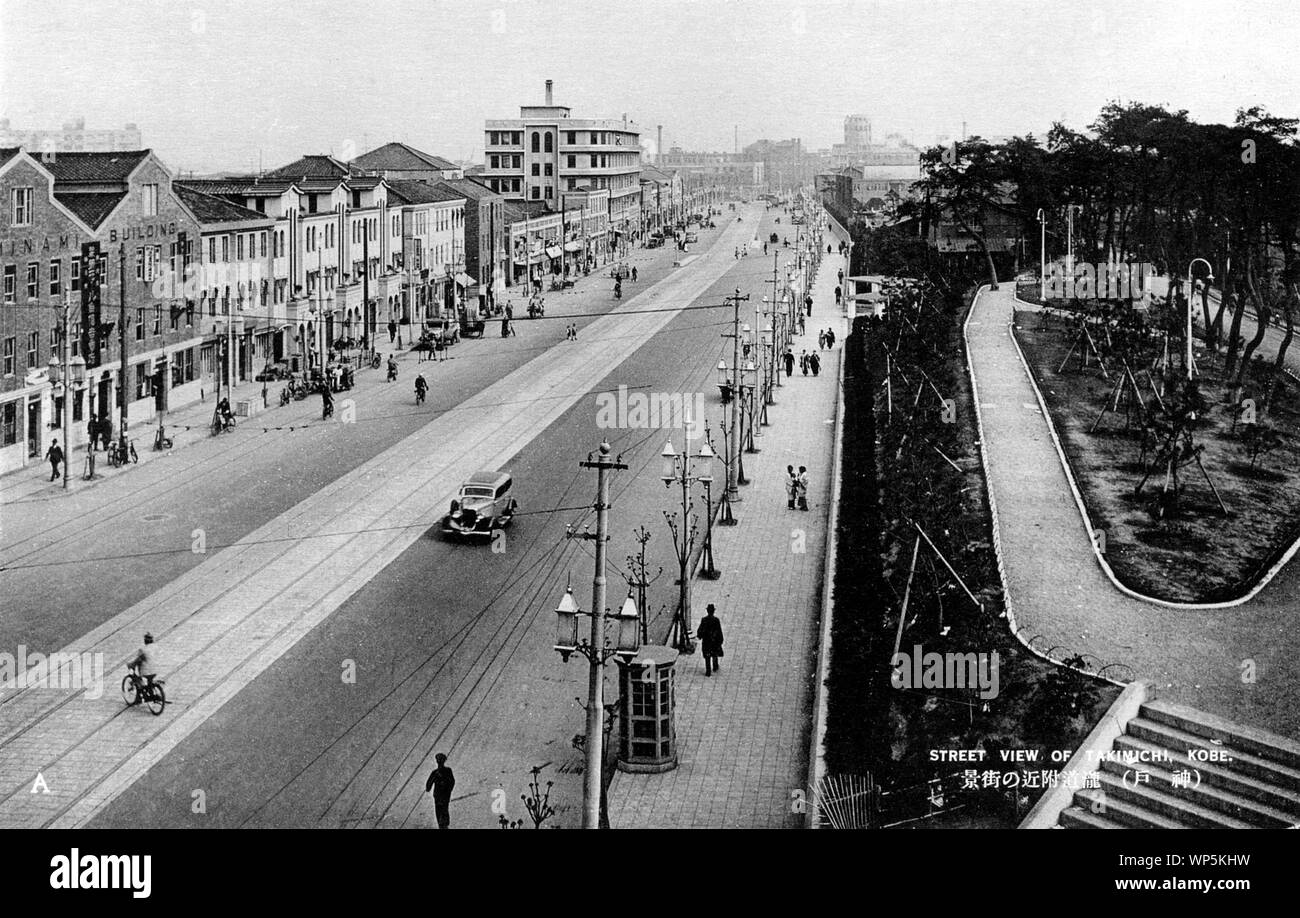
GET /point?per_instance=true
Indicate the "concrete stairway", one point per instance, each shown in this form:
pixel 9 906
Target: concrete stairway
pixel 1248 778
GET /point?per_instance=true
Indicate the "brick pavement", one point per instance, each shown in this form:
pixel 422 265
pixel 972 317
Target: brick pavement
pixel 743 734
pixel 1060 596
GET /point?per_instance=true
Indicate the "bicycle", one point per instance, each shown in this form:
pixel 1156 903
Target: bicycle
pixel 136 689
pixel 160 440
pixel 419 396
pixel 119 451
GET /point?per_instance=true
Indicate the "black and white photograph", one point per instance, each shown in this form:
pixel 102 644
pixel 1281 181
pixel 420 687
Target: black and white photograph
pixel 819 415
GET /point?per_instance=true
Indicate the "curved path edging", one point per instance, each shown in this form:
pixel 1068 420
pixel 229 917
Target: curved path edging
pixel 1263 580
pixel 1008 609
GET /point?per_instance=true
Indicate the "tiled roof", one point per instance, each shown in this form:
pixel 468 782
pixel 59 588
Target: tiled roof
pixel 423 193
pixel 468 188
pixel 402 158
pixel 8 153
pixel 91 209
pixel 241 187
pixel 313 166
pixel 95 167
pixel 210 209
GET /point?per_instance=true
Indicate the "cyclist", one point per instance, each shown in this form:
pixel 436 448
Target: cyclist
pixel 421 387
pixel 145 662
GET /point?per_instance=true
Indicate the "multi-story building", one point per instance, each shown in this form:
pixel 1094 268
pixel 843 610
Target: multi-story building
pixel 229 293
pixel 146 236
pixel 732 173
pixel 433 251
pixel 73 138
pixel 545 152
pixel 41 251
pixel 786 164
pixel 398 161
pixel 486 256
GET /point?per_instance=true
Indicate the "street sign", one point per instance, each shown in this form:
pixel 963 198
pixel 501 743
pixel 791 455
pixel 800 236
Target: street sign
pixel 91 279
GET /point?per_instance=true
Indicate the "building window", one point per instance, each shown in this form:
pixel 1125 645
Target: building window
pixel 549 170
pixel 139 324
pixel 517 161
pixel 514 185
pixel 537 142
pixel 550 146
pixel 142 380
pixel 10 344
pixel 570 137
pixel 9 423
pixel 571 161
pixel 311 203
pixel 225 249
pixel 157 318
pixel 494 162
pixel 537 192
pixel 33 280
pixel 22 206
pixel 549 191
pixel 594 160
pixel 537 168
pixel 33 344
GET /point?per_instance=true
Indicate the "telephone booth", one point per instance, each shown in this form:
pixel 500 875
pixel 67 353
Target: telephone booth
pixel 647 702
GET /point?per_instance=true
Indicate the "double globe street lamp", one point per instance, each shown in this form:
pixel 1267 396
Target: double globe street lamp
pixel 685 469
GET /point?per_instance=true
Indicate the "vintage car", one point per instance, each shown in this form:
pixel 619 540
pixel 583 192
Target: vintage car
pixel 483 505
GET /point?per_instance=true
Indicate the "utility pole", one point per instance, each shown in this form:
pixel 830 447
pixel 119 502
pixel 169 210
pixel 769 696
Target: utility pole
pixel 67 394
pixel 365 285
pixel 592 777
pixel 778 341
pixel 121 339
pixel 732 494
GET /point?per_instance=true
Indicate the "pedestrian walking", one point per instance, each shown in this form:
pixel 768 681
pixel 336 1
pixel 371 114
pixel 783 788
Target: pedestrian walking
pixel 830 338
pixel 789 363
pixel 807 302
pixel 801 318
pixel 633 277
pixel 440 784
pixel 841 275
pixel 801 487
pixel 791 486
pixel 821 340
pixel 55 455
pixel 814 363
pixel 392 331
pixel 737 252
pixel 710 634
pixel 803 362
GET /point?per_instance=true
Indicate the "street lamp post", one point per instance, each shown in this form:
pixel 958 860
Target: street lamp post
pixel 1209 279
pixel 67 373
pixel 596 649
pixel 682 469
pixel 1042 257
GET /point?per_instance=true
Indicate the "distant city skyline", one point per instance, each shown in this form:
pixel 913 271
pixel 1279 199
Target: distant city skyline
pixel 235 82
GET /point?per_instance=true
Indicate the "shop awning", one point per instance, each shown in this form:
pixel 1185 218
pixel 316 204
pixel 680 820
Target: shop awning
pixel 573 247
pixel 554 251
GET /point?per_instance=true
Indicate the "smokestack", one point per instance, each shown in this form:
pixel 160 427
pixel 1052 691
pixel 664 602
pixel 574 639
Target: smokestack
pixel 659 146
pixel 549 84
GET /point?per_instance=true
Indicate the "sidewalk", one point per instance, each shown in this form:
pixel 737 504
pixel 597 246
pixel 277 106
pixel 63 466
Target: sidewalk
pixel 743 733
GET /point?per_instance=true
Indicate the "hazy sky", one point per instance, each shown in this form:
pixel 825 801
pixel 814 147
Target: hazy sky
pixel 214 83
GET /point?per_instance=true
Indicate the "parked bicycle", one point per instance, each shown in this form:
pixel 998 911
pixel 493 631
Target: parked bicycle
pixel 121 451
pixel 160 440
pixel 137 690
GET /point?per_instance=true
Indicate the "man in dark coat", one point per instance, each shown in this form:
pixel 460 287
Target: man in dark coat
pixel 55 455
pixel 710 634
pixel 440 783
pixel 789 362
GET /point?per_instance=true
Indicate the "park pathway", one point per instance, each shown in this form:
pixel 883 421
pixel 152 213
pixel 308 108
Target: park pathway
pixel 1061 597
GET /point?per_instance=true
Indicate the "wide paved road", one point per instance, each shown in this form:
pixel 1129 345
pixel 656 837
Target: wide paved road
pixel 451 642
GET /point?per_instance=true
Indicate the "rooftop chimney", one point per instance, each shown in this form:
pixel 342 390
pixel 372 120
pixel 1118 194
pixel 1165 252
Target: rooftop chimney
pixel 549 84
